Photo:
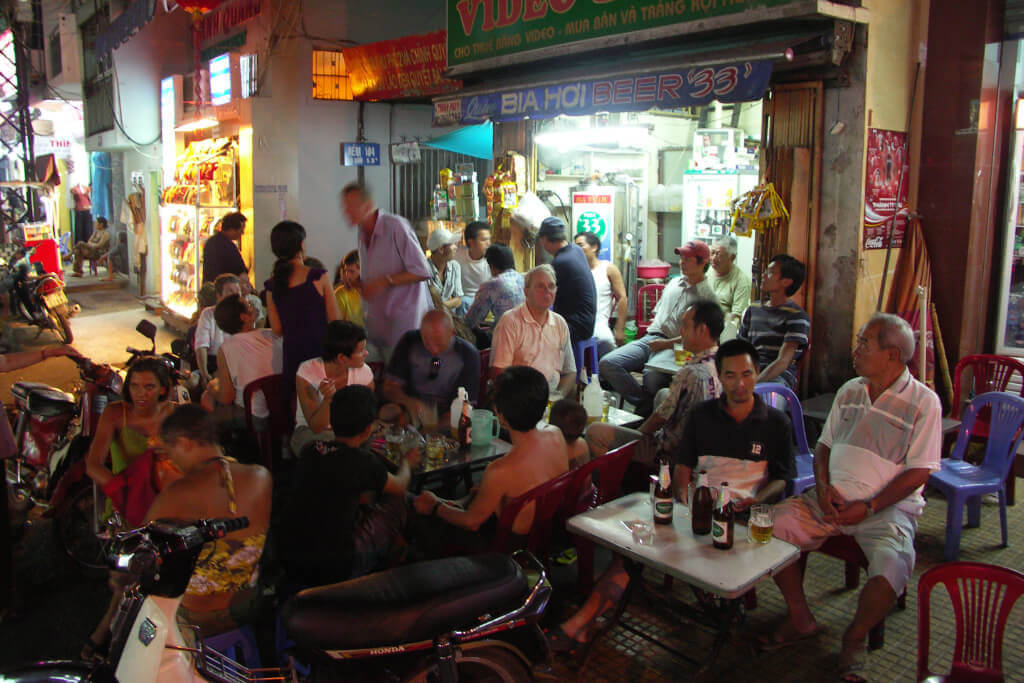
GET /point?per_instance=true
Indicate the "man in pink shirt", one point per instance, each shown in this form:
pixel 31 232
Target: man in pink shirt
pixel 394 270
pixel 532 334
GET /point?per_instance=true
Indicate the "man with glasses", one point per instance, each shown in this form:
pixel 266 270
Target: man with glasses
pixel 429 365
pixel 532 335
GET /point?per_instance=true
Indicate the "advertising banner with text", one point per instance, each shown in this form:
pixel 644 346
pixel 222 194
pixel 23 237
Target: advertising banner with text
pixel 404 67
pixel 483 29
pixel 741 82
pixel 886 155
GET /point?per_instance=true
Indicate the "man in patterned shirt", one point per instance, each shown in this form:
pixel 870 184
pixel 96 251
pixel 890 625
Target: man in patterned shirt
pixel 696 381
pixel 503 292
pixel 880 444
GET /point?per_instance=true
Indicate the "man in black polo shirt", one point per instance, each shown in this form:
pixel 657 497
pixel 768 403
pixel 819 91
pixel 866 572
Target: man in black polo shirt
pixel 576 297
pixel 429 365
pixel 737 438
pixel 220 253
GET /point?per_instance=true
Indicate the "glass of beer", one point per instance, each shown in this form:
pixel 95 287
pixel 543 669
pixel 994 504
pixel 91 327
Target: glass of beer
pixel 680 353
pixel 610 399
pixel 761 524
pixel 395 439
pixel 435 451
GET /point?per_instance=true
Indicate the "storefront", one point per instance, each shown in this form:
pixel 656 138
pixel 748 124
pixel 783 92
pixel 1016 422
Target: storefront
pixel 208 174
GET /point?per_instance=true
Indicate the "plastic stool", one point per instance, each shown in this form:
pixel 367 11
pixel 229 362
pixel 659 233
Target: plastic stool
pixel 240 645
pixel 582 349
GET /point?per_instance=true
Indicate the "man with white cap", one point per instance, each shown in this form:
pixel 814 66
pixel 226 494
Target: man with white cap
pixel 445 273
pixel 662 333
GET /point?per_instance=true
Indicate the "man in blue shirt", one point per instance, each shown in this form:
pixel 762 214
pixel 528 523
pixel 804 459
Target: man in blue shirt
pixel 576 298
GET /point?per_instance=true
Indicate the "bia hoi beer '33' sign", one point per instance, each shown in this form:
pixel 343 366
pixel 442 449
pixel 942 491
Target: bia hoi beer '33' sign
pixel 740 82
pixel 485 29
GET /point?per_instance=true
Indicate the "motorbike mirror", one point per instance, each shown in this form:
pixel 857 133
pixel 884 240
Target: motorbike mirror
pixel 147 330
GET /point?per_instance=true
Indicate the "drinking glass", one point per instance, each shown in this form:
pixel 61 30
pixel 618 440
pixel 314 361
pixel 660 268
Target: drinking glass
pixel 761 524
pixel 435 451
pixel 429 418
pixel 395 437
pixel 680 353
pixel 610 399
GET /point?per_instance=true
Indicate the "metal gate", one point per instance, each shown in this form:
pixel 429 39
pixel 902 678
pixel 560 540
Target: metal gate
pixel 414 183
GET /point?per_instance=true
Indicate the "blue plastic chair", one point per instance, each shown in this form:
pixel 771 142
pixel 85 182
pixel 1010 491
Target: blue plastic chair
pixel 585 352
pixel 963 483
pixel 769 392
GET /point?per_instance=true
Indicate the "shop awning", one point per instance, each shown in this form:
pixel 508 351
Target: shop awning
pixel 475 141
pixel 730 70
pixel 738 82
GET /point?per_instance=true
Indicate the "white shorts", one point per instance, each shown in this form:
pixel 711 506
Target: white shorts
pixel 886 538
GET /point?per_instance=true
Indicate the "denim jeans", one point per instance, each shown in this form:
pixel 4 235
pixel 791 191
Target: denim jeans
pixel 617 365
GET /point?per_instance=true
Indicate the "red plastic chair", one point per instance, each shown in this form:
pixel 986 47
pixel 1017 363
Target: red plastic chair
pixel 983 596
pixel 547 500
pixel 584 495
pixel 989 373
pixel 281 419
pixel 647 298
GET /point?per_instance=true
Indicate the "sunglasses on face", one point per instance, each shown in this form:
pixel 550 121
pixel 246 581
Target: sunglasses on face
pixel 435 368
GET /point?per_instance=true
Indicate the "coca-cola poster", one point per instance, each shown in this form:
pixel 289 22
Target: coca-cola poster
pixel 887 154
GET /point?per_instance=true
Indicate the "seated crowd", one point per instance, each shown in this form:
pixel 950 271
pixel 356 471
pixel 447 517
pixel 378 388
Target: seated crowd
pixel 371 347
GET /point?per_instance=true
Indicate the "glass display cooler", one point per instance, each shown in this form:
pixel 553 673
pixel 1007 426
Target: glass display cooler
pixel 205 189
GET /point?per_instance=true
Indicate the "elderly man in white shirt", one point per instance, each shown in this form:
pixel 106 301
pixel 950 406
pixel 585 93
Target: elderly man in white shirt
pixel 209 337
pixel 881 441
pixel 531 334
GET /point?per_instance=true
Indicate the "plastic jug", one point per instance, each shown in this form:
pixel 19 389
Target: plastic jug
pixel 593 399
pixel 485 426
pixel 456 410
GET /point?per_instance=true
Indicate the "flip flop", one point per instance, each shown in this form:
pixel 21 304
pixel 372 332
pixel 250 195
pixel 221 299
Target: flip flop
pixel 851 672
pixel 771 644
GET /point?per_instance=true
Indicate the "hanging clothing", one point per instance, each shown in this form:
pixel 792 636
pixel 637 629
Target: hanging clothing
pixel 133 215
pixel 101 185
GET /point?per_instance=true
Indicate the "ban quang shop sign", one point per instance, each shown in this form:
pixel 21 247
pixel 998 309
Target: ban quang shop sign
pixel 738 82
pixel 485 30
pixel 405 67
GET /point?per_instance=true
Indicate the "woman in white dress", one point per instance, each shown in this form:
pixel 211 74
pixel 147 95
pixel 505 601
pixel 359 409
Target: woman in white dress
pixel 610 290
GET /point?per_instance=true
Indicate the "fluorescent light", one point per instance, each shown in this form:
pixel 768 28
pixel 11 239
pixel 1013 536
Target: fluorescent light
pixel 623 136
pixel 198 124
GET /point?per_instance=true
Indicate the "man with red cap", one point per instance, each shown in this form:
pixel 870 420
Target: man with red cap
pixel 678 295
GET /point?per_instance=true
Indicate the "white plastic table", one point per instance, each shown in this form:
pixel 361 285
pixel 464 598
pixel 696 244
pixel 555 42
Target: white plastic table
pixel 663 361
pixel 677 552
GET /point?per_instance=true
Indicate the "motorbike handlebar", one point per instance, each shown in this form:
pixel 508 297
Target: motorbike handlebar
pixel 140 551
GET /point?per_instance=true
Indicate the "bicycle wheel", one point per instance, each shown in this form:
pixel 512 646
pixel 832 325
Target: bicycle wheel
pixel 488 664
pixel 75 534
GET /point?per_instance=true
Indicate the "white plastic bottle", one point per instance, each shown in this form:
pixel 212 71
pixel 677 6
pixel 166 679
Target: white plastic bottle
pixel 456 410
pixel 593 399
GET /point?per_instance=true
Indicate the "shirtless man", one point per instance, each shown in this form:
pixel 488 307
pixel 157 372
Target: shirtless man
pixel 537 456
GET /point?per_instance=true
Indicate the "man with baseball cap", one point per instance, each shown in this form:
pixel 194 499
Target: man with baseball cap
pixel 663 332
pixel 445 273
pixel 576 298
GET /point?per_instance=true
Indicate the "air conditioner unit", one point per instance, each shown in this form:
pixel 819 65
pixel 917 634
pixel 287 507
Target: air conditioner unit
pixel 64 53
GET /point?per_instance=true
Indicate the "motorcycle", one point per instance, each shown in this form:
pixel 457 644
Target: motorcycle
pixel 425 621
pixel 52 432
pixel 36 296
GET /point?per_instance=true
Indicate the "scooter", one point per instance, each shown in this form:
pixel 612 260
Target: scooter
pixel 426 621
pixel 37 296
pixel 53 431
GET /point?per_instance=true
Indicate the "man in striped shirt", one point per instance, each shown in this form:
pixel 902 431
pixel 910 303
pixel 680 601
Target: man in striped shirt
pixel 779 330
pixel 881 441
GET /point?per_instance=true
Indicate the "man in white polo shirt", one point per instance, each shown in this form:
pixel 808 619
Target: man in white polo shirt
pixel 532 334
pixel 881 441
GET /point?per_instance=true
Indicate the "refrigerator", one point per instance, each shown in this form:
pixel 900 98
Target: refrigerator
pixel 707 208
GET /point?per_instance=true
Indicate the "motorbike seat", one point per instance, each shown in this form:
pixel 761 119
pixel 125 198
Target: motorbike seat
pixel 42 399
pixel 407 604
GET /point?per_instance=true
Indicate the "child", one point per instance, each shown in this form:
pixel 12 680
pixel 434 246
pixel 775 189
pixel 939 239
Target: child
pixel 571 418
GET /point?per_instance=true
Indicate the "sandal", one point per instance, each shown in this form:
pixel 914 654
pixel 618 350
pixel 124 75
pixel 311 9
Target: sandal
pixel 560 642
pixel 94 652
pixel 770 642
pixel 851 672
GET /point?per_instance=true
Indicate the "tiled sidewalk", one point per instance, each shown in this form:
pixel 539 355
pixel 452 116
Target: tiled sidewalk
pixel 622 656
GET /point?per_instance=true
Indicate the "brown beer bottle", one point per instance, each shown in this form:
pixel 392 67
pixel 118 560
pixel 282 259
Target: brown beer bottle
pixel 465 427
pixel 700 507
pixel 722 520
pixel 663 499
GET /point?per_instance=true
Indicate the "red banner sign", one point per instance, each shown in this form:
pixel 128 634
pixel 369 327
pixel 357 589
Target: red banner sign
pixel 226 18
pixel 405 67
pixel 887 151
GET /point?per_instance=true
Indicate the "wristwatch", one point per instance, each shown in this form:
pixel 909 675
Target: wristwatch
pixel 433 512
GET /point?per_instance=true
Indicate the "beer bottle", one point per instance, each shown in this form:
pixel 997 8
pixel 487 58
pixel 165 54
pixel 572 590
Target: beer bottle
pixel 700 507
pixel 663 499
pixel 722 520
pixel 465 427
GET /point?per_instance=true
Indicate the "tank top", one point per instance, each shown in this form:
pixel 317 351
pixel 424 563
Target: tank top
pixel 604 290
pixel 303 322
